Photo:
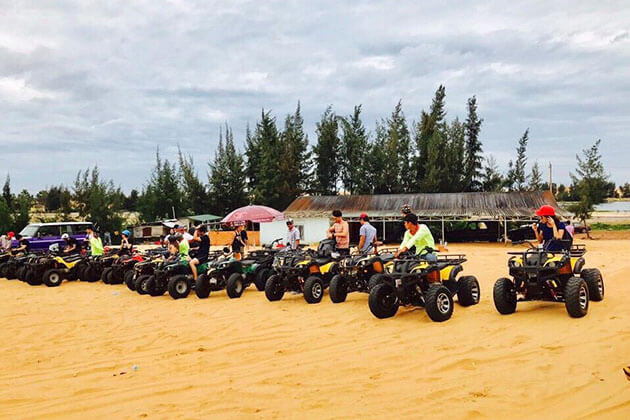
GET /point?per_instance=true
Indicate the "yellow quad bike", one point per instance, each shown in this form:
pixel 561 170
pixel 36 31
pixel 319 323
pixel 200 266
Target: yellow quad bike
pixel 310 274
pixel 55 268
pixel 428 281
pixel 559 276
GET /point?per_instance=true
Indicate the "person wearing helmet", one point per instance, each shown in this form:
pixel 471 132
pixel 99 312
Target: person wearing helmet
pixel 71 246
pixel 292 238
pixel 550 231
pixel 96 244
pixel 126 246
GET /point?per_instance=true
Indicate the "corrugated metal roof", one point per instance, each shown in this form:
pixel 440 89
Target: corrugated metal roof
pixel 466 205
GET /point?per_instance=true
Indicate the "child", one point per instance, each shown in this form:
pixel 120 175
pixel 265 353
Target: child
pixel 202 237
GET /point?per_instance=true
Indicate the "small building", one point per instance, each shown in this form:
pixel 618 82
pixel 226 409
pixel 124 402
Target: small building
pixel 189 221
pixel 150 231
pixel 312 214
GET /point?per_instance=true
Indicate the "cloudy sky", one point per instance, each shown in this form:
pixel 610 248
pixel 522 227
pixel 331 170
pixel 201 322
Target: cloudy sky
pixel 85 83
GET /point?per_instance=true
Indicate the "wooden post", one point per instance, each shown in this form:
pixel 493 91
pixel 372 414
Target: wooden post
pixel 505 237
pixel 443 233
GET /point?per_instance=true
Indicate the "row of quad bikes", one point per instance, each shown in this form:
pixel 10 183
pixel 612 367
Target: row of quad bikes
pixel 430 282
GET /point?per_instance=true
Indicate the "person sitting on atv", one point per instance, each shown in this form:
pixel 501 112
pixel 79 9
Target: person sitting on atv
pixel 96 245
pixel 71 245
pixel 238 244
pixel 173 250
pixel 341 232
pixel 551 232
pixel 183 246
pixel 6 241
pixel 292 239
pixel 367 234
pixel 126 246
pixel 23 247
pixel 201 234
pixel 417 235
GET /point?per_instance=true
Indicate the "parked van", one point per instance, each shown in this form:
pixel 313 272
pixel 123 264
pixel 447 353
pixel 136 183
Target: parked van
pixel 41 235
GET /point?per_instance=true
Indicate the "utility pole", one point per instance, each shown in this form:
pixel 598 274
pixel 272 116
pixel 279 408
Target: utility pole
pixel 550 180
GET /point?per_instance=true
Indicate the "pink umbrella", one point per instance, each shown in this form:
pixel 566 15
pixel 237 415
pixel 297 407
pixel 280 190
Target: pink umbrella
pixel 256 214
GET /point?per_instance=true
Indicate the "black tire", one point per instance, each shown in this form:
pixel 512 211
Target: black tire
pixel 383 302
pixel 105 275
pixel 438 302
pixel 52 278
pixel 3 270
pixel 313 290
pixel 21 273
pixel 338 289
pixel 202 286
pixel 32 278
pixel 91 274
pixel 152 287
pixel 261 278
pixel 504 296
pixel 235 286
pixel 140 284
pixel 376 279
pixel 129 280
pixel 468 292
pixel 576 297
pixel 179 286
pixel 274 289
pixel 115 277
pixel 595 282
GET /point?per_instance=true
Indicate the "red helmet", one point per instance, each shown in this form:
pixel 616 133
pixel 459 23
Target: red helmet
pixel 11 234
pixel 546 211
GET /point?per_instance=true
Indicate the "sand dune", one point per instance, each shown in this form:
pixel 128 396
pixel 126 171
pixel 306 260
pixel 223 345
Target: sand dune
pixel 69 352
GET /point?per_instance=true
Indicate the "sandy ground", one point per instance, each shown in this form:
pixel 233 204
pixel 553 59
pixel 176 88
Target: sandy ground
pixel 64 351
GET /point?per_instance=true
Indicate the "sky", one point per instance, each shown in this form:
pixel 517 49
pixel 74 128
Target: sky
pixel 105 83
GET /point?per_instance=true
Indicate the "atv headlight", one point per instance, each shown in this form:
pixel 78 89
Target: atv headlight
pixel 552 264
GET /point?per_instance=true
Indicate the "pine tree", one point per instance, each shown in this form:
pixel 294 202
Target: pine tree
pixel 326 154
pixel 491 179
pixel 354 152
pixel 266 146
pixel 454 158
pixel 5 216
pixel 589 182
pixel 431 144
pixel 194 194
pixel 6 192
pixel 377 162
pixel 294 162
pixel 397 146
pixel 162 193
pixel 22 210
pixel 517 179
pixel 474 158
pixel 535 179
pixel 236 191
pixel 97 200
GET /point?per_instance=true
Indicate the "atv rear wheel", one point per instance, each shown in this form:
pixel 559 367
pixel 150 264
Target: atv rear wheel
pixel 90 274
pixel 234 287
pixel 129 280
pixel 105 275
pixel 595 283
pixel 338 289
pixel 576 297
pixel 274 288
pixel 468 291
pixel 383 302
pixel 179 286
pixel 115 277
pixel 313 290
pixel 21 273
pixel 202 286
pixel 504 296
pixel 3 270
pixel 33 279
pixel 153 288
pixel 261 278
pixel 439 303
pixel 52 278
pixel 376 279
pixel 140 284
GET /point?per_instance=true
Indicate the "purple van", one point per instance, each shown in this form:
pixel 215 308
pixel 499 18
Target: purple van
pixel 41 235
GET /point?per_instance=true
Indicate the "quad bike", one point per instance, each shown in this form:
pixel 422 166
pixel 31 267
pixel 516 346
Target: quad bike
pixel 4 259
pixel 95 265
pixel 308 272
pixel 559 276
pixel 55 268
pixel 428 281
pixel 121 269
pixel 218 272
pixel 356 271
pixel 141 272
pixel 15 266
pixel 132 268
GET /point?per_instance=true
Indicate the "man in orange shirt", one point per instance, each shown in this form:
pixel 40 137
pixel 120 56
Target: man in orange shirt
pixel 341 232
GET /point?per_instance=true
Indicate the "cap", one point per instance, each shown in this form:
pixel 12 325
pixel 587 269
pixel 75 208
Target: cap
pixel 546 211
pixel 11 234
pixel 289 221
pixel 363 216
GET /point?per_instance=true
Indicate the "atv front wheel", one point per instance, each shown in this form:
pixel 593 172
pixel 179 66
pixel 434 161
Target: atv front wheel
pixel 595 283
pixel 32 278
pixel 504 296
pixel 338 289
pixel 376 279
pixel 140 284
pixel 3 270
pixel 313 290
pixel 576 297
pixel 91 274
pixel 234 287
pixel 274 289
pixel 52 278
pixel 105 275
pixel 261 278
pixel 202 286
pixel 383 302
pixel 468 291
pixel 439 303
pixel 179 286
pixel 129 280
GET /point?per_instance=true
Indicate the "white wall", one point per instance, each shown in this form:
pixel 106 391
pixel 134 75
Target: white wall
pixel 312 230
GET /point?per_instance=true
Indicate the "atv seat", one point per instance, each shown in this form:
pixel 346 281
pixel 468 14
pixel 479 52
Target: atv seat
pixel 248 262
pixel 322 260
pixel 72 258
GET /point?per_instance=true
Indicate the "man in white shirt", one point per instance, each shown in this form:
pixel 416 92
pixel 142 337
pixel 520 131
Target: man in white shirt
pixel 292 238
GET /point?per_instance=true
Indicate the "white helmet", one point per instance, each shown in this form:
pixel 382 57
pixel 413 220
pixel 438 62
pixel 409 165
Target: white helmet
pixel 65 236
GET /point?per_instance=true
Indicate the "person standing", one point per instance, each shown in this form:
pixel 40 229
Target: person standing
pixel 341 232
pixel 237 243
pixel 292 238
pixel 96 245
pixel 570 228
pixel 367 234
pixel 126 245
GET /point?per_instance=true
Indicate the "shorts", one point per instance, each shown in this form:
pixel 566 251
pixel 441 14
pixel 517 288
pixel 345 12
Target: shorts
pixel 202 260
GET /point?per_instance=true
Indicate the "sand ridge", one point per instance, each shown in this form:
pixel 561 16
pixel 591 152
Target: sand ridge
pixel 64 351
